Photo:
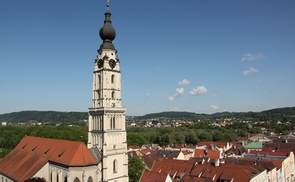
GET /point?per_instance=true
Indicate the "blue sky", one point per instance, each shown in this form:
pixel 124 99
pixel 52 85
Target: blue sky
pixel 191 55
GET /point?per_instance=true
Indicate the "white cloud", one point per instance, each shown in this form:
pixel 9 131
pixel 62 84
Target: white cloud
pixel 199 90
pixel 147 95
pixel 184 82
pixel 179 92
pixel 249 71
pixel 214 107
pixel 214 95
pixel 171 98
pixel 251 57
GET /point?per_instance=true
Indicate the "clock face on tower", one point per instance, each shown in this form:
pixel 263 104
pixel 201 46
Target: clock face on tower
pixel 112 63
pixel 100 63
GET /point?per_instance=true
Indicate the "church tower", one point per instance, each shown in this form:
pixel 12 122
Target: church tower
pixel 107 130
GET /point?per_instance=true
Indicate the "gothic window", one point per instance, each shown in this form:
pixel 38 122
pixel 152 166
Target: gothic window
pixel 114 123
pixel 76 180
pixel 115 166
pixel 99 80
pixel 90 179
pixel 113 79
pixel 100 124
pixel 57 177
pixel 113 95
pixel 65 179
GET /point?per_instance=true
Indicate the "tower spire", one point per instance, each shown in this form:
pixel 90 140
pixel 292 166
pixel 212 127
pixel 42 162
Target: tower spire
pixel 108 5
pixel 107 33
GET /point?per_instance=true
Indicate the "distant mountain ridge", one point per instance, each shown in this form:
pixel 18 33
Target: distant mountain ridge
pixel 286 113
pixel 43 116
pixel 283 114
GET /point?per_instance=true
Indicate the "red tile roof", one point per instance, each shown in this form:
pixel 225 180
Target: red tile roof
pixel 230 172
pixel 33 152
pixel 193 179
pixel 186 152
pixel 145 151
pixel 269 153
pixel 173 167
pixel 207 153
pixel 133 147
pixel 255 163
pixel 149 176
pixel 149 159
pixel 208 144
pixel 277 163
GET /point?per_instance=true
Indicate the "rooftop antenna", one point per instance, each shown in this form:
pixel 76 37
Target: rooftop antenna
pixel 108 4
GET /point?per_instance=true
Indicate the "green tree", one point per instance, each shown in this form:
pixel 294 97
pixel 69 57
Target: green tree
pixel 191 138
pixel 135 139
pixel 135 168
pixel 150 134
pixel 179 137
pixel 166 139
pixel 204 135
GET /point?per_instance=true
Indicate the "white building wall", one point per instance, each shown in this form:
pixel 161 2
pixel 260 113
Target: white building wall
pixel 50 172
pixel 4 179
pixel 279 175
pixel 261 177
pixel 43 172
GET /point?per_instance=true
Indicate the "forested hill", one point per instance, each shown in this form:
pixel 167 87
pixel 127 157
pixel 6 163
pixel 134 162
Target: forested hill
pixel 43 116
pixel 282 114
pixel 173 115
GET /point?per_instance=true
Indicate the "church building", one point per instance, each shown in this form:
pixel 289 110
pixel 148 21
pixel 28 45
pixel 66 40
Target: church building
pixel 105 157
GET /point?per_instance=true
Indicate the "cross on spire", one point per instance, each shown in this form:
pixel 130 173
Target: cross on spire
pixel 108 4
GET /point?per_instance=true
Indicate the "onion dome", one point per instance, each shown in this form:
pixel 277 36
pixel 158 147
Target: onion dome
pixel 107 33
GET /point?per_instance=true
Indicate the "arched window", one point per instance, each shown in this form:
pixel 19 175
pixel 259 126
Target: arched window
pixel 99 79
pixel 115 166
pixel 111 123
pixel 76 180
pixel 114 123
pixel 113 79
pixel 90 179
pixel 113 95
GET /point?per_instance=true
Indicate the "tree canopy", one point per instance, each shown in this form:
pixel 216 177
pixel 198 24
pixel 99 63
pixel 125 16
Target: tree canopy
pixel 135 168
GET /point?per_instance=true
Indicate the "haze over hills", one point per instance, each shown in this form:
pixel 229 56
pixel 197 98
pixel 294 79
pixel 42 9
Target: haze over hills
pixel 283 114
